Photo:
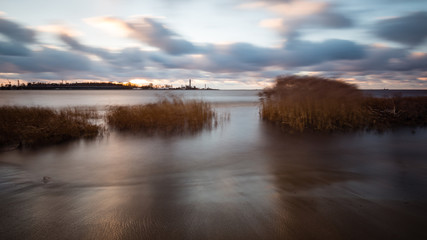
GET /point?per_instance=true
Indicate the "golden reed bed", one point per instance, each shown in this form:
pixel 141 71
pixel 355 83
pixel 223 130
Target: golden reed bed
pixel 316 104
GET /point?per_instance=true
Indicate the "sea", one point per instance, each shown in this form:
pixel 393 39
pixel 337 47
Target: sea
pixel 244 179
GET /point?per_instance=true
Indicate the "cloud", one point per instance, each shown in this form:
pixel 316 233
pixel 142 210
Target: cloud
pixel 329 19
pixel 16 57
pixel 379 59
pixel 125 58
pixel 410 29
pixel 76 45
pixel 243 57
pixel 179 59
pixel 172 61
pixel 236 57
pixel 306 53
pixel 394 59
pixel 216 58
pixel 296 8
pixel 16 32
pixel 131 57
pixel 251 54
pixel 58 28
pixel 156 34
pixel 45 60
pixel 295 15
pixel 13 49
pixel 275 23
pixel 152 32
pixel 112 25
pixel 222 58
pixel 290 8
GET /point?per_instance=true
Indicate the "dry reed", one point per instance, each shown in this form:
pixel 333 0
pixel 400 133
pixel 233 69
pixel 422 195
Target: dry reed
pixel 168 116
pixel 36 126
pixel 303 103
pixel 315 104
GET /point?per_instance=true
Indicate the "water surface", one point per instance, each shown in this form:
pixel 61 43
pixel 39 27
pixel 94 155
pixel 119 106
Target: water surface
pixel 242 180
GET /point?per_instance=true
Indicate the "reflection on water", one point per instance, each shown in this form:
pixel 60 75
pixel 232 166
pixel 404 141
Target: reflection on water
pixel 243 180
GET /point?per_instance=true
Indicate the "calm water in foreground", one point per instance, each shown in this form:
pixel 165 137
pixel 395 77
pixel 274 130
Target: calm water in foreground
pixel 242 180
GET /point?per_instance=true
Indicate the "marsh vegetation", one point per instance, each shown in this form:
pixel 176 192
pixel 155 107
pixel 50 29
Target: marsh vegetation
pixel 167 116
pixel 36 126
pixel 295 103
pixel 316 104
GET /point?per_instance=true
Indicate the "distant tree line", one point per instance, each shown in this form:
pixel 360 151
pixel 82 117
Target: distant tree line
pixel 76 85
pixel 90 85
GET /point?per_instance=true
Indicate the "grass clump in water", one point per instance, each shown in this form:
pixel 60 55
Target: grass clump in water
pixel 306 103
pixel 36 126
pixel 168 116
pixel 316 104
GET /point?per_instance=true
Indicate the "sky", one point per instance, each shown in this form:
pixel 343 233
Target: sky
pixel 226 44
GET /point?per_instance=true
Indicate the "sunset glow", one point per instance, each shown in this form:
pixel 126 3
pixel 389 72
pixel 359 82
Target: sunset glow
pixel 139 82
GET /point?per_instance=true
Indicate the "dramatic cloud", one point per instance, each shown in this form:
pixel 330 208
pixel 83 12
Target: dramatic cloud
pixel 325 37
pixel 329 19
pixel 296 15
pixel 393 59
pixel 13 49
pixel 76 45
pixel 156 34
pixel 409 30
pixel 16 32
pixel 242 57
pixel 239 57
pixel 127 57
pixel 152 32
pixel 45 60
pixel 295 8
pixel 305 53
pixel 379 59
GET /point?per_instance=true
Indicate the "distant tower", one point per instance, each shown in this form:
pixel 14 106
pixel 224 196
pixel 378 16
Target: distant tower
pixel 189 83
pixel 18 82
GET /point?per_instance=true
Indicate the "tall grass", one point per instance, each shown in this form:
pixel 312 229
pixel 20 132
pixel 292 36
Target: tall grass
pixel 35 126
pixel 168 116
pixel 316 104
pixel 303 103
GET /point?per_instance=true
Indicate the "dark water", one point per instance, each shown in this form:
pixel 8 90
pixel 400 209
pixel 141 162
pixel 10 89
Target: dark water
pixel 243 180
pixel 395 92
